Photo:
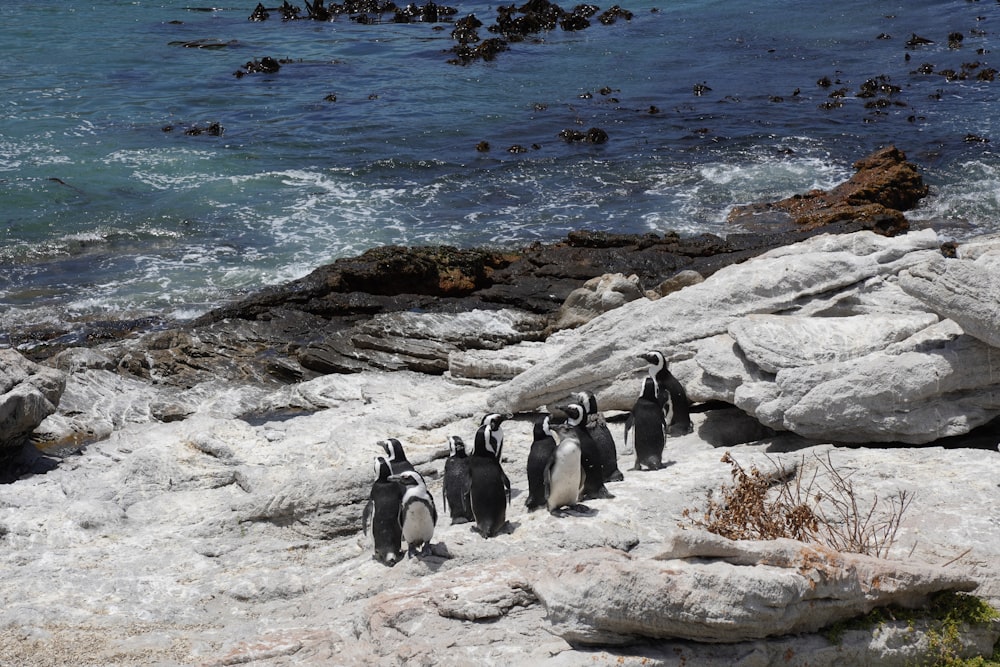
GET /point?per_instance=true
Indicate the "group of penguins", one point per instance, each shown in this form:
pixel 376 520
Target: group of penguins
pixel 560 473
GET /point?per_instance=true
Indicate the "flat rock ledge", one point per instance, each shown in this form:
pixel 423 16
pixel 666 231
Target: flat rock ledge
pixel 214 541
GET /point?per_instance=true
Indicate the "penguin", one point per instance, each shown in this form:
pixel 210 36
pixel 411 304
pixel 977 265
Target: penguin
pixel 593 485
pixel 488 493
pixel 673 399
pixel 601 434
pixel 543 446
pixel 395 455
pixel 646 428
pixel 490 434
pixel 417 514
pixel 381 514
pixel 456 481
pixel 564 473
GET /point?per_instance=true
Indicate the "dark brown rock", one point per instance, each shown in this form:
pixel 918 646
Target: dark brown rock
pixel 885 184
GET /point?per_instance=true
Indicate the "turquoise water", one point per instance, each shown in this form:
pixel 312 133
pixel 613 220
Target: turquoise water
pixel 367 135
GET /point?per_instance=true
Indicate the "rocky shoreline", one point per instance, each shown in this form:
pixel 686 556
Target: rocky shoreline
pixel 213 517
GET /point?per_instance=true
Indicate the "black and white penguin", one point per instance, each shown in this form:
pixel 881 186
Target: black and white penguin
pixel 490 436
pixel 489 488
pixel 601 434
pixel 381 515
pixel 564 473
pixel 543 446
pixel 455 486
pixel 417 514
pixel 593 484
pixel 395 455
pixel 646 428
pixel 673 399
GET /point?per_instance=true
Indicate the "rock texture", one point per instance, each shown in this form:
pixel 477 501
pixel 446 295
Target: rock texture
pixel 885 184
pixel 28 394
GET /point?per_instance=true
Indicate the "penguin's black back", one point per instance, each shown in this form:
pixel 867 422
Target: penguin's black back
pixel 387 498
pixel 593 467
pixel 456 486
pixel 487 494
pixel 648 428
pixel 542 449
pixel 670 389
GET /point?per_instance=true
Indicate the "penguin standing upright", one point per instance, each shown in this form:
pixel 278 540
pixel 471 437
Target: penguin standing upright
pixel 489 488
pixel 646 428
pixel 381 514
pixel 601 434
pixel 593 485
pixel 543 446
pixel 490 436
pixel 395 455
pixel 673 399
pixel 564 473
pixel 455 486
pixel 417 514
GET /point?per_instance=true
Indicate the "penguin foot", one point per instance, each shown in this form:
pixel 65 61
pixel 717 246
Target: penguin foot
pixel 616 476
pixel 599 494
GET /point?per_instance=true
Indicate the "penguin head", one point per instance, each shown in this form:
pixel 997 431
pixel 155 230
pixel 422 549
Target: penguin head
pixel 655 359
pixel 494 420
pixel 393 449
pixel 542 428
pixel 408 478
pixel 382 469
pixel 456 445
pixel 587 400
pixel 575 413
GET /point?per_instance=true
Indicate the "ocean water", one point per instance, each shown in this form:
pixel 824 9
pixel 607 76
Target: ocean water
pixel 368 135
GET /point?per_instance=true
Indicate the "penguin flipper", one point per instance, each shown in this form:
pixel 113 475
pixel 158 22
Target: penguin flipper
pixel 547 476
pixel 366 515
pixel 630 433
pixel 444 493
pixel 506 485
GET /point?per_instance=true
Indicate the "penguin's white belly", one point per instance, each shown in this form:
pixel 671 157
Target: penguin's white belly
pixel 566 478
pixel 418 524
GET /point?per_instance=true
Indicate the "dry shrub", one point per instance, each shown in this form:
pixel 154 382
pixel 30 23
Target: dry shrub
pixel 825 510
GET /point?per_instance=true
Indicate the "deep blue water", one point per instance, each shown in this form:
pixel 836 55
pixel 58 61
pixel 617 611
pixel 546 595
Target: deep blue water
pixel 367 135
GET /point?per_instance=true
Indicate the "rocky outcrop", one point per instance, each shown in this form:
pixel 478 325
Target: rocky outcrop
pixel 29 393
pixel 830 338
pixel 885 184
pixel 709 589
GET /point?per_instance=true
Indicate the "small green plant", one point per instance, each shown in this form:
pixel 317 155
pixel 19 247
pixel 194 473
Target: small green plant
pixel 949 614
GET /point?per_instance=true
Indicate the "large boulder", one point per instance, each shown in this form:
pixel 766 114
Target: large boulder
pixel 28 394
pixel 709 589
pixel 829 338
